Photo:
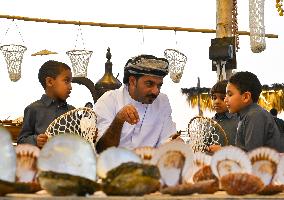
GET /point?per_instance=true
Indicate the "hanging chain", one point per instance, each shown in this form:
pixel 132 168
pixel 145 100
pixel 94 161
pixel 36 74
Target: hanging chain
pixel 176 39
pixel 9 26
pixel 80 34
pixel 279 4
pixel 235 24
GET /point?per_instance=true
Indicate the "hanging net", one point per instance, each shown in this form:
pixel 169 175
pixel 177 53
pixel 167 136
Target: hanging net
pixel 177 61
pixel 13 55
pixel 204 132
pixel 256 25
pixel 81 121
pixel 80 60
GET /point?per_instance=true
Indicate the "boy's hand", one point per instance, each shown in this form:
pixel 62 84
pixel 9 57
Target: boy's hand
pixel 213 148
pixel 41 139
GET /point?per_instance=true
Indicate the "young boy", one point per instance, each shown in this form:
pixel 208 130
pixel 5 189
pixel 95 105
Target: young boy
pixel 55 78
pixel 228 121
pixel 256 127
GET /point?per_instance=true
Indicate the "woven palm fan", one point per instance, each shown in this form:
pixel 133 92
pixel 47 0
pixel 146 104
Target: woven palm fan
pixel 81 121
pixel 204 132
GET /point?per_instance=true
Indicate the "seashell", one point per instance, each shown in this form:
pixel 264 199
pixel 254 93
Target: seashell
pixel 264 162
pixel 113 157
pixel 26 162
pixel 67 165
pixel 271 189
pixel 7 157
pixel 207 186
pixel 171 158
pixel 181 189
pixel 279 176
pixel 146 153
pixel 229 160
pixel 205 173
pixel 6 187
pixel 200 160
pixel 241 184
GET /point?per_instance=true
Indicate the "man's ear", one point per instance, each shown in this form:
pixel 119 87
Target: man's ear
pixel 132 81
pixel 49 81
pixel 247 97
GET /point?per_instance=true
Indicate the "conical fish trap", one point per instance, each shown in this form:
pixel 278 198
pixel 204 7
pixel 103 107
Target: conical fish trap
pixel 177 61
pixel 256 25
pixel 13 55
pixel 81 121
pixel 204 132
pixel 80 60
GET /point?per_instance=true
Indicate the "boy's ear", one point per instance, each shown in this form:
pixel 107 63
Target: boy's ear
pixel 247 97
pixel 49 81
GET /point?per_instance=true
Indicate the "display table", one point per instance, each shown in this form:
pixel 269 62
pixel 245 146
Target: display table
pixel 156 196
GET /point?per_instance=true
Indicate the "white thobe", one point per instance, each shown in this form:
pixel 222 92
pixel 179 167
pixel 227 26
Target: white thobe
pixel 154 127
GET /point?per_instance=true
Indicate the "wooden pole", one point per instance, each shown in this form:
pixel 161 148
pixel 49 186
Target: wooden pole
pixel 136 26
pixel 224 24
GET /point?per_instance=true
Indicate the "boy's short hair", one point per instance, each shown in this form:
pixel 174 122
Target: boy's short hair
pixel 247 82
pixel 273 112
pixel 51 69
pixel 219 87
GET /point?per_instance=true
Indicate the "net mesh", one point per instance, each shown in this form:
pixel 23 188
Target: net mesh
pixel 80 60
pixel 81 121
pixel 204 132
pixel 256 25
pixel 13 56
pixel 177 61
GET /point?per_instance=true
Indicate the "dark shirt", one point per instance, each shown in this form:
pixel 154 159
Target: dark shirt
pixel 280 124
pixel 229 122
pixel 256 129
pixel 39 115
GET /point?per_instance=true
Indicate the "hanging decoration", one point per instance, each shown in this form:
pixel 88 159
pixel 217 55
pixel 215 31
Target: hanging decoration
pixel 256 25
pixel 279 4
pixel 177 62
pixel 43 53
pixel 13 54
pixel 235 24
pixel 79 58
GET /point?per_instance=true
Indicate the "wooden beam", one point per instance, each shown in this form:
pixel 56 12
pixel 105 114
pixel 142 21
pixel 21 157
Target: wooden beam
pixel 136 26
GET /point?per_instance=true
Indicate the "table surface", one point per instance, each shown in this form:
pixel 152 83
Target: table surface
pixel 155 196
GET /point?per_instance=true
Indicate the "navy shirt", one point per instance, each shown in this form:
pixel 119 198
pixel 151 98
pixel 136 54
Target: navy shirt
pixel 229 122
pixel 38 116
pixel 256 129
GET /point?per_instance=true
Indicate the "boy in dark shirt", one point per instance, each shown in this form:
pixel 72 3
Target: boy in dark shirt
pixel 256 127
pixel 228 121
pixel 279 122
pixel 55 77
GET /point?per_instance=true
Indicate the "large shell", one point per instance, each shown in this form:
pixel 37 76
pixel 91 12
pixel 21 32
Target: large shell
pixel 113 157
pixel 68 154
pixel 229 160
pixel 7 157
pixel 203 174
pixel 200 160
pixel 172 158
pixel 271 189
pixel 241 184
pixel 146 153
pixel 26 162
pixel 279 177
pixel 264 163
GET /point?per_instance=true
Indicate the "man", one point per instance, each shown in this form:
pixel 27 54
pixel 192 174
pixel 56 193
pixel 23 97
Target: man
pixel 136 114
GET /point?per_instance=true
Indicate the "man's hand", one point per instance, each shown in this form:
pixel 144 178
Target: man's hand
pixel 41 139
pixel 128 114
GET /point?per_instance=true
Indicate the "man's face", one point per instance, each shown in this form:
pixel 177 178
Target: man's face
pixel 219 104
pixel 145 89
pixel 62 85
pixel 234 100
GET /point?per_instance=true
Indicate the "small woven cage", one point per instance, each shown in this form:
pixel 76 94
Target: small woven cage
pixel 80 60
pixel 177 62
pixel 13 55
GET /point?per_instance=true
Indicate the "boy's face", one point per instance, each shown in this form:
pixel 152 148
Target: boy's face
pixel 61 85
pixel 234 100
pixel 218 102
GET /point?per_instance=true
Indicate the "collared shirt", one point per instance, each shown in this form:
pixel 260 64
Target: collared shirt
pixel 256 129
pixel 229 122
pixel 154 127
pixel 38 116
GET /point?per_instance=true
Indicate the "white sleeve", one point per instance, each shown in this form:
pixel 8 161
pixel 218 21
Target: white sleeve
pixel 105 111
pixel 169 127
